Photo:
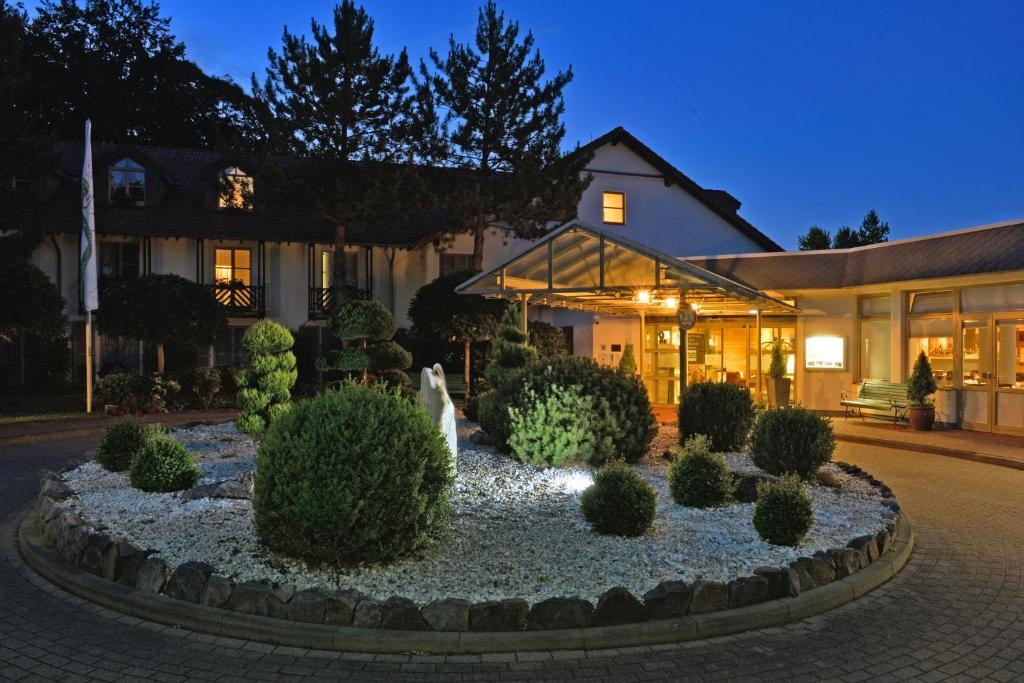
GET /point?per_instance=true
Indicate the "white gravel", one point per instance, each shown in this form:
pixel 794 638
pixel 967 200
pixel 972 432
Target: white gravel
pixel 515 530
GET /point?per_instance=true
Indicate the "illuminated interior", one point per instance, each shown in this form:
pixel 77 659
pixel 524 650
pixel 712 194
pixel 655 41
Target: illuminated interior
pixel 613 207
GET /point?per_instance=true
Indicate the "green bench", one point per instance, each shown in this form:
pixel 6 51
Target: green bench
pixel 890 397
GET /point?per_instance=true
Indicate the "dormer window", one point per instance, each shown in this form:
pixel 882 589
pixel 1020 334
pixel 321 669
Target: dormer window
pixel 235 189
pixel 127 183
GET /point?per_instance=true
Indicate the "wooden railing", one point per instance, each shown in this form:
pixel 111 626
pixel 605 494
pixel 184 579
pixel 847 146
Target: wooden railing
pixel 321 299
pixel 240 300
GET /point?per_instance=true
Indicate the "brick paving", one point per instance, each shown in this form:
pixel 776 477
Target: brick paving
pixel 956 612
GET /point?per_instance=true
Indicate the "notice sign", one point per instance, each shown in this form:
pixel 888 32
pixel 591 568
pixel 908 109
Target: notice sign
pixel 825 353
pixel 695 348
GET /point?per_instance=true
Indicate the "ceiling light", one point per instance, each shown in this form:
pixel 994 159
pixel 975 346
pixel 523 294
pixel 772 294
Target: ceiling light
pixel 671 302
pixel 643 296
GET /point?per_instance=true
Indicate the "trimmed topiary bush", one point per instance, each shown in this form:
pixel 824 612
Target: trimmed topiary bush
pixel 552 427
pixel 627 363
pixel 792 440
pixel 621 418
pixel 783 513
pixel 700 478
pixel 163 465
pixel 509 352
pixel 354 474
pixel 268 381
pixel 620 501
pixel 120 443
pixel 921 384
pixel 723 412
pixel 366 327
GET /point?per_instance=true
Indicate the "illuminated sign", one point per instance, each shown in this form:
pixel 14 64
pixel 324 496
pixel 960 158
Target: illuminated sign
pixel 825 353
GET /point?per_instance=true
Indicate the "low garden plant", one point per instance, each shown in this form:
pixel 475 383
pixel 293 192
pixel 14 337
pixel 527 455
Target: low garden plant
pixel 163 465
pixel 552 427
pixel 355 474
pixel 700 478
pixel 792 440
pixel 205 385
pixel 121 442
pixel 619 502
pixel 265 386
pixel 783 513
pixel 721 411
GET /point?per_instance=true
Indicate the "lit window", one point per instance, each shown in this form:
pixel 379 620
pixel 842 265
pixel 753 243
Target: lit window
pixel 454 263
pixel 235 189
pixel 613 207
pixel 327 269
pixel 233 267
pixel 127 183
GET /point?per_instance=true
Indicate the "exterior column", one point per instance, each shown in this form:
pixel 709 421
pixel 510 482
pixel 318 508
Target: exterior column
pixel 759 373
pixel 640 357
pixel 523 298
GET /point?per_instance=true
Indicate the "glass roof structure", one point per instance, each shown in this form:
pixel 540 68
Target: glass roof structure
pixel 578 266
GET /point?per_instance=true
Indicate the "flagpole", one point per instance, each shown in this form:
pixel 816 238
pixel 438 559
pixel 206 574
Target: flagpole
pixel 88 361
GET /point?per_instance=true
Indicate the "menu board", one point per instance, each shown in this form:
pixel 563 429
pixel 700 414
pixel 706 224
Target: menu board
pixel 695 344
pixel 825 353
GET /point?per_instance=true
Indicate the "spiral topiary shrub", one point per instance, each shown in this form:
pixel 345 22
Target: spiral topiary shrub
pixel 269 379
pixel 792 440
pixel 723 412
pixel 619 502
pixel 700 478
pixel 354 474
pixel 163 465
pixel 120 443
pixel 366 328
pixel 552 427
pixel 783 513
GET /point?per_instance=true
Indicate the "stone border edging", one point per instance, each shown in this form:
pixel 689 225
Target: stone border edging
pixel 215 621
pixel 973 456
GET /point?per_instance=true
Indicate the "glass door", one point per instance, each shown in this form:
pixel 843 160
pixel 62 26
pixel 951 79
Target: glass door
pixel 1009 376
pixel 976 364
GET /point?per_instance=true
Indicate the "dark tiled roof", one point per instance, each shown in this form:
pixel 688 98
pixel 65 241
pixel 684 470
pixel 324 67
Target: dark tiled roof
pixel 183 212
pixel 988 249
pixel 719 201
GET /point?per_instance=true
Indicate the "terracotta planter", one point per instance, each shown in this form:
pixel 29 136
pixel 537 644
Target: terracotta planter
pixel 778 391
pixel 921 418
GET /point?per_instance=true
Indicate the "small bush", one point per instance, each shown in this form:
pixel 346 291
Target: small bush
pixel 783 513
pixel 132 393
pixel 700 478
pixel 627 363
pixel 792 440
pixel 723 412
pixel 163 465
pixel 620 502
pixel 354 474
pixel 921 384
pixel 493 413
pixel 269 379
pixel 471 408
pixel 120 443
pixel 552 427
pixel 205 386
pixel 549 341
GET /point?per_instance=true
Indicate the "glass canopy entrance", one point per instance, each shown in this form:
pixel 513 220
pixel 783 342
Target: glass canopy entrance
pixel 580 267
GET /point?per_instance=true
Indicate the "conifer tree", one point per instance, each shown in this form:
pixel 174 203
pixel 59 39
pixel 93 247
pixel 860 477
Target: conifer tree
pixel 504 120
pixel 816 238
pixel 367 328
pixel 510 352
pixel 873 230
pixel 846 237
pixel 265 386
pixel 627 363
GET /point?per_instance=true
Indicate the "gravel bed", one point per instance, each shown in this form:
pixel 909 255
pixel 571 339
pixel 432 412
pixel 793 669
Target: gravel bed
pixel 515 530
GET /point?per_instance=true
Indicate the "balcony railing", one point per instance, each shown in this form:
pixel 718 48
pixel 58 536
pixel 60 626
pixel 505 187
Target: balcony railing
pixel 240 300
pixel 321 299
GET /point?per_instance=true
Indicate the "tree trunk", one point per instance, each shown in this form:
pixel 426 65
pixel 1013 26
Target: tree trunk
pixel 160 358
pixel 478 245
pixel 465 366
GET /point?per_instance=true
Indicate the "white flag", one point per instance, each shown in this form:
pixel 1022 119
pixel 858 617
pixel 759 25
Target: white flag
pixel 90 294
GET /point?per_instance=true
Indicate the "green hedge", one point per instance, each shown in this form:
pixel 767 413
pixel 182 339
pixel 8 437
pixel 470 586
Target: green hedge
pixel 163 465
pixel 783 513
pixel 700 478
pixel 721 411
pixel 359 473
pixel 620 502
pixel 792 440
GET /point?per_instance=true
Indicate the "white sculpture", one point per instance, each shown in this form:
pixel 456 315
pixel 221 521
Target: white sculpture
pixel 434 397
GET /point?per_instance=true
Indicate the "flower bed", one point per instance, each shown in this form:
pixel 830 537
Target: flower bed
pixel 516 537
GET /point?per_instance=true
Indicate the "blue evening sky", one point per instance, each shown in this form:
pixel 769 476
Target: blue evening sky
pixel 810 113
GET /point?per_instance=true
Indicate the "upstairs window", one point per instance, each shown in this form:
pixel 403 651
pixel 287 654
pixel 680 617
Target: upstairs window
pixel 235 189
pixel 127 183
pixel 613 207
pixel 454 263
pixel 233 267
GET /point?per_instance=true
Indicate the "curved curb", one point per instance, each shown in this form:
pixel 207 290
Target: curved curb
pixel 214 621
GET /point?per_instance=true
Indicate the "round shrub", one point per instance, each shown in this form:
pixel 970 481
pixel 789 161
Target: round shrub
pixel 783 513
pixel 120 443
pixel 367 319
pixel 723 412
pixel 700 478
pixel 621 419
pixel 354 474
pixel 265 337
pixel 620 501
pixel 163 465
pixel 552 427
pixel 792 440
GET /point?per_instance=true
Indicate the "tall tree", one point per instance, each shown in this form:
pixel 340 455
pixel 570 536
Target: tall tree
pixel 505 133
pixel 345 108
pixel 117 62
pixel 873 230
pixel 816 238
pixel 846 237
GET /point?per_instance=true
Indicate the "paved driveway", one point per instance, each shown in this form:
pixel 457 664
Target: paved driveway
pixel 955 612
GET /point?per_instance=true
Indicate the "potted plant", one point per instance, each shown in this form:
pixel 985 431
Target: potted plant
pixel 778 383
pixel 920 387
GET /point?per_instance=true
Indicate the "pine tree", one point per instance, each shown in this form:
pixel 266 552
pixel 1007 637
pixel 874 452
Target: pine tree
pixel 921 384
pixel 816 238
pixel 510 352
pixel 846 237
pixel 506 133
pixel 873 230
pixel 627 364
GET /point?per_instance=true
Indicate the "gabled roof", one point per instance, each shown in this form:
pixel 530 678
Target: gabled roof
pixel 712 199
pixel 994 248
pixel 582 266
